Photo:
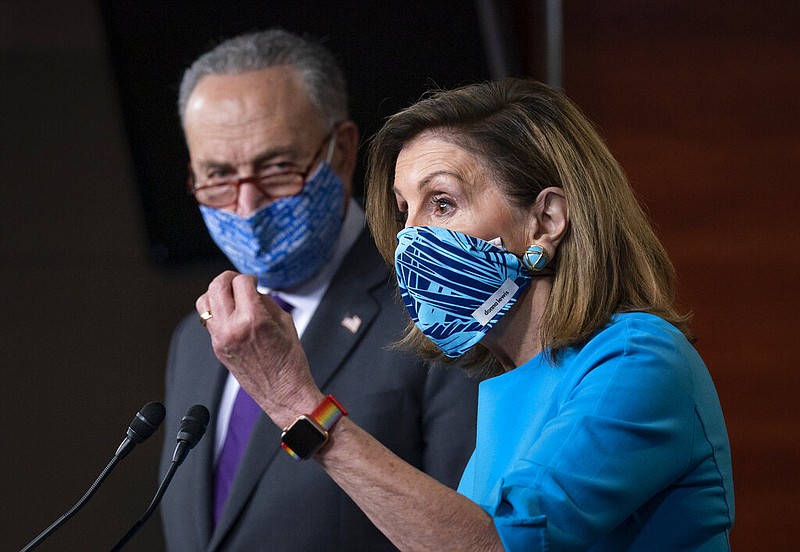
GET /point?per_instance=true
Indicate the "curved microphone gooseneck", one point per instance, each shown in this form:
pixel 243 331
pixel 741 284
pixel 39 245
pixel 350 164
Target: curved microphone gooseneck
pixel 144 424
pixel 192 428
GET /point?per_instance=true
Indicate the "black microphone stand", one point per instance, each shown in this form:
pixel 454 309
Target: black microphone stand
pixel 173 467
pixel 193 426
pixel 141 427
pixel 72 511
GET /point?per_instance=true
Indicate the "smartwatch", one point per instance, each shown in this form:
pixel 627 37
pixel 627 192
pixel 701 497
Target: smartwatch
pixel 306 435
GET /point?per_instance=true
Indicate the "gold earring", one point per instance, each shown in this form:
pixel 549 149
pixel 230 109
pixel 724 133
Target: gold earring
pixel 535 258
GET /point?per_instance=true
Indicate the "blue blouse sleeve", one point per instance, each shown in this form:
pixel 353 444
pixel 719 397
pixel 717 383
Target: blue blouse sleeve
pixel 622 432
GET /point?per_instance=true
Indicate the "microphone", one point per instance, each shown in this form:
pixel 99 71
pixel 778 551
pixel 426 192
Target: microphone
pixel 192 428
pixel 144 424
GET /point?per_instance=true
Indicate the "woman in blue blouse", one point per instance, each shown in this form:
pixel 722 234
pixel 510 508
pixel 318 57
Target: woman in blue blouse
pixel 522 255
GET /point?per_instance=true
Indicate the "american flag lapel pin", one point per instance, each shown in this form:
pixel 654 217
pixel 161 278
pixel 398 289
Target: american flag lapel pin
pixel 352 322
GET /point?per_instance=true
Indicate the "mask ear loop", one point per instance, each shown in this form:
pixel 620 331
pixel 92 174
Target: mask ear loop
pixel 534 259
pixel 498 243
pixel 331 148
pixel 328 156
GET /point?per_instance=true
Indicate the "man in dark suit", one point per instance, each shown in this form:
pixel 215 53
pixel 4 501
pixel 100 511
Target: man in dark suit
pixel 273 153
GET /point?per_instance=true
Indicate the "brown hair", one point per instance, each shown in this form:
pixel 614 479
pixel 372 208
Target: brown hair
pixel 532 137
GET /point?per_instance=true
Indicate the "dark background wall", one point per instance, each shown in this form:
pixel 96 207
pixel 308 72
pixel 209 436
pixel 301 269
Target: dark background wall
pixel 698 100
pixel 86 317
pixel 390 53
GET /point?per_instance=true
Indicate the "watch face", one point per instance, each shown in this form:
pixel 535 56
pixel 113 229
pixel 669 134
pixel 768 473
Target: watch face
pixel 303 438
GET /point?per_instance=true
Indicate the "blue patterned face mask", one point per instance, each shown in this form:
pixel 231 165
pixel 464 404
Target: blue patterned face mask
pixel 456 287
pixel 289 240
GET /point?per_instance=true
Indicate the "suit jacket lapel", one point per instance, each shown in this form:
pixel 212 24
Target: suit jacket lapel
pixel 343 315
pixel 346 311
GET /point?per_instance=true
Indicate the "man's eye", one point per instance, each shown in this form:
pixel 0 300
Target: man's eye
pixel 217 175
pixel 277 168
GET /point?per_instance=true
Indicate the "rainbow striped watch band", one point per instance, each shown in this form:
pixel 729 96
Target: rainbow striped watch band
pixel 328 412
pixel 308 433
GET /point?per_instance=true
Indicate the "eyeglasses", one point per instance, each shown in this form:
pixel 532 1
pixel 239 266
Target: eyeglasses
pixel 275 181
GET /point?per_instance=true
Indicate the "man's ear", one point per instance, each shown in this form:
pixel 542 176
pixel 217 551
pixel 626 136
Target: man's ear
pixel 552 219
pixel 345 155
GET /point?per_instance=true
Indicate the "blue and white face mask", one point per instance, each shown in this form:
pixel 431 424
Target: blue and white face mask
pixel 286 242
pixel 456 287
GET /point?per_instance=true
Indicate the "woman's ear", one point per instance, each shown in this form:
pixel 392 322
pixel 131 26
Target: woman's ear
pixel 552 219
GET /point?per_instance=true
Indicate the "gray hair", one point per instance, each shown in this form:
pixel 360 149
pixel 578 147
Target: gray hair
pixel 315 64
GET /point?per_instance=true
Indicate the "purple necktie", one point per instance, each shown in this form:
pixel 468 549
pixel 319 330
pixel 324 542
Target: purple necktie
pixel 243 418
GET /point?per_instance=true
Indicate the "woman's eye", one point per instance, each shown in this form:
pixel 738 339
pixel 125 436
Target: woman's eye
pixel 441 204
